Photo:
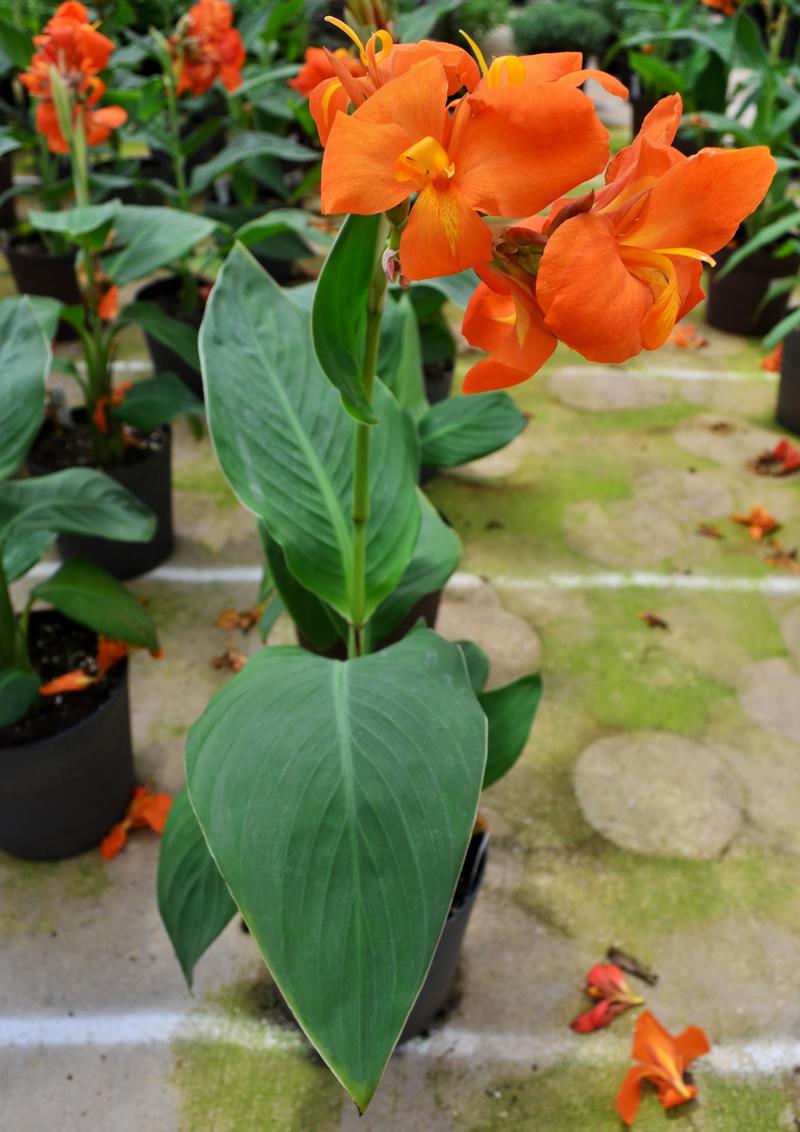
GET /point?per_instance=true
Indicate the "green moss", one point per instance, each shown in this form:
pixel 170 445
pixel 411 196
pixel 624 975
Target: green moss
pixel 569 1098
pixel 35 894
pixel 601 894
pixel 229 1088
pixel 203 477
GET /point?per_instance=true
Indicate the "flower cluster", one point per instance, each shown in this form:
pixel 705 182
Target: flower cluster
pixel 452 147
pixel 207 47
pixel 75 49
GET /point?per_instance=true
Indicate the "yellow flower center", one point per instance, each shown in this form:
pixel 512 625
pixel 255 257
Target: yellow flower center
pixel 425 160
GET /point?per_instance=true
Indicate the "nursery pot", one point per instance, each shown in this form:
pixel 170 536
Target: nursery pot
pixel 735 303
pixel 438 985
pixel 60 795
pixel 150 480
pixel 787 413
pixel 8 213
pixel 164 293
pixel 37 271
pixel 439 379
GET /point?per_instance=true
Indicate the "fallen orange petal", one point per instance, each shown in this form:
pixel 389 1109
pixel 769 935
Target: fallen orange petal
pixel 70 682
pixel 759 521
pixel 772 362
pixel 664 1060
pixel 114 841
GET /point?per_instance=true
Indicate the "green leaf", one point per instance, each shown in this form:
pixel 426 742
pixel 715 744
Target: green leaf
pixel 319 624
pixel 464 428
pixel 77 222
pixel 339 314
pixel 153 237
pixel 400 357
pixel 286 447
pixel 764 238
pixel 248 145
pixel 24 362
pixel 179 336
pixel 15 45
pixel 477 664
pixel 89 595
pixel 18 690
pixel 278 222
pixel 272 611
pixel 338 799
pixel 77 501
pixel 436 556
pixel 421 21
pixel 8 144
pixel 157 400
pixel 749 44
pixel 46 312
pixel 788 323
pixel 193 900
pixel 457 289
pixel 23 551
pixel 510 712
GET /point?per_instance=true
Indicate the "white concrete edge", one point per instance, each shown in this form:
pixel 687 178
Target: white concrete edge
pixel 787 585
pixel 760 1057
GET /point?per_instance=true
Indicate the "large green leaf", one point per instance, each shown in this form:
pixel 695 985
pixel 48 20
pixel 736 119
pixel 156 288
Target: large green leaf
pixel 400 358
pixel 24 551
pixel 464 428
pixel 436 556
pixel 339 314
pixel 15 44
pixel 89 595
pixel 319 624
pixel 286 447
pixel 153 237
pixel 245 146
pixel 77 501
pixel 278 222
pixel 193 900
pixel 18 690
pixel 151 403
pixel 24 362
pixel 510 711
pixel 477 664
pixel 338 799
pixel 75 223
pixel 422 19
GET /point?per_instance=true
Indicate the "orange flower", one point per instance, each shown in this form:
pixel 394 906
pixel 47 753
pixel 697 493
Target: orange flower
pixel 108 307
pixel 207 47
pixel 71 44
pixel 109 653
pixel 687 337
pixel 772 362
pixel 74 681
pixel 606 983
pixel 615 279
pixel 664 1060
pixel 483 159
pixel 146 810
pixel 727 7
pixel 99 415
pixel 317 68
pixel 759 521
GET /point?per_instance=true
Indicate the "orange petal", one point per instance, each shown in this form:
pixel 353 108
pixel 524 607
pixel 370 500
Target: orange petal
pixel 700 202
pixel 656 134
pixel 325 101
pixel 113 841
pixel 691 1044
pixel 156 811
pixel 516 149
pixel 629 1096
pixel 109 653
pixel 444 235
pixel 589 298
pixel 70 682
pixel 108 307
pixel 493 321
pixel 606 81
pixel 460 68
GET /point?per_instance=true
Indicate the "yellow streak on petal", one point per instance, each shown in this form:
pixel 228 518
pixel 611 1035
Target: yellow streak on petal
pixel 691 253
pixel 424 160
pixel 507 70
pixel 326 99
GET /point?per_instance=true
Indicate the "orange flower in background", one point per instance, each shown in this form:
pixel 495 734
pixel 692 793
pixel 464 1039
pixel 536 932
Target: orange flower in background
pixel 109 652
pixel 615 279
pixel 207 47
pixel 774 359
pixel 759 521
pixel 480 160
pixel 606 983
pixel 77 50
pixel 99 415
pixel 663 1061
pixel 727 7
pixel 317 68
pixel 147 810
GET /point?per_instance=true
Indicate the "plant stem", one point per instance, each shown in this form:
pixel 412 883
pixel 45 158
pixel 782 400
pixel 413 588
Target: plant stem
pixel 178 163
pixel 361 502
pixel 12 645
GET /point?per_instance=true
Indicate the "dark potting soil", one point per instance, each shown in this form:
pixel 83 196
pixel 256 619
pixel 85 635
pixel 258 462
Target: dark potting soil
pixel 57 448
pixel 439 371
pixel 57 645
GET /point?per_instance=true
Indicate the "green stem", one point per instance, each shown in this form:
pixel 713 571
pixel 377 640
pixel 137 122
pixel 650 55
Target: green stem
pixel 178 163
pixel 12 644
pixel 360 511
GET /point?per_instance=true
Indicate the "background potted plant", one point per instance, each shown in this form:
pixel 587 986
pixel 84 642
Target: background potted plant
pixel 66 771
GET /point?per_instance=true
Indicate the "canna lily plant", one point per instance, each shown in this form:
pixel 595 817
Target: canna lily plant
pixel 32 511
pixel 331 801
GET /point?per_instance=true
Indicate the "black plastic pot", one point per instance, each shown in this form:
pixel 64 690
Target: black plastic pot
pixel 439 380
pixel 438 985
pixel 8 212
pixel 164 359
pixel 736 302
pixel 150 480
pixel 787 413
pixel 60 795
pixel 37 271
pixel 426 609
